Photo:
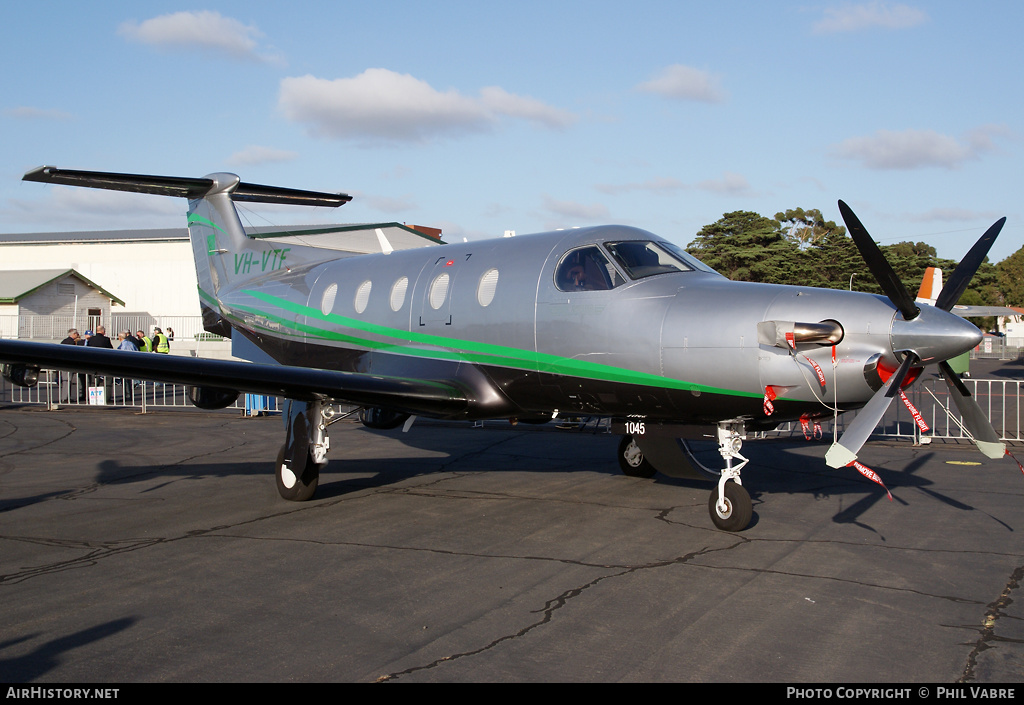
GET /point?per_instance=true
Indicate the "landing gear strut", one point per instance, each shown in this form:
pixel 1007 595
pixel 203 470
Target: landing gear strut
pixel 729 504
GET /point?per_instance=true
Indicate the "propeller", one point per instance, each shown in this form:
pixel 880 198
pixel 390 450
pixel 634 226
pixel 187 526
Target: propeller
pixel 923 337
pixel 844 451
pixel 879 265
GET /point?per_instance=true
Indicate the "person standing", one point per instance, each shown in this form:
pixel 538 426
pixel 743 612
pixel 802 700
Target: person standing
pixel 144 343
pixel 65 377
pixel 99 339
pixel 160 342
pixel 126 341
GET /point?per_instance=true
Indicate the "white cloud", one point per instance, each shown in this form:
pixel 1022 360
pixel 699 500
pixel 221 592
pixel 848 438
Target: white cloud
pixel 255 154
pixel 203 29
pixel 380 105
pixel 89 209
pixel 501 102
pixel 911 149
pixel 853 18
pixel 685 83
pixel 25 112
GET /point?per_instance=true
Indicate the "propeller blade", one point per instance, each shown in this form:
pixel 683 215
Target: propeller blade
pixel 879 266
pixel 975 421
pixel 845 450
pixel 964 272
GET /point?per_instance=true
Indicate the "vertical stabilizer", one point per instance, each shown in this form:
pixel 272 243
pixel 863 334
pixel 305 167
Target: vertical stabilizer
pixel 931 285
pixel 223 252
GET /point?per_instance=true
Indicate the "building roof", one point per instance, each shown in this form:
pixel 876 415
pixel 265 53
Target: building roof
pixel 360 237
pixel 16 285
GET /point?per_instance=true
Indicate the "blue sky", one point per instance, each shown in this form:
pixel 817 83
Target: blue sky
pixel 481 117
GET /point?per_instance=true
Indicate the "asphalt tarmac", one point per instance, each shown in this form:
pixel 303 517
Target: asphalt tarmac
pixel 155 548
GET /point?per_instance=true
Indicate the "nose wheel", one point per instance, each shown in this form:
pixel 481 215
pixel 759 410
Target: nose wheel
pixel 730 508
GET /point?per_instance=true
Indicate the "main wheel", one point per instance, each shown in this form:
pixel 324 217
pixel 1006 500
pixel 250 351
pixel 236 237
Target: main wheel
pixel 632 461
pixel 296 488
pixel 737 508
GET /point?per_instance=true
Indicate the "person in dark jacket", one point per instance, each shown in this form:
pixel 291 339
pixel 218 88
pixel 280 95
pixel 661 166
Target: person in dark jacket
pixel 65 377
pixel 99 339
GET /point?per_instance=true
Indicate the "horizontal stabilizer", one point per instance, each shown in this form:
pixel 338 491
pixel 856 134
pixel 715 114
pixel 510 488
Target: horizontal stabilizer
pixel 183 187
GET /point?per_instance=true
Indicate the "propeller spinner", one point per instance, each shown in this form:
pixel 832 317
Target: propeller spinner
pixel 922 337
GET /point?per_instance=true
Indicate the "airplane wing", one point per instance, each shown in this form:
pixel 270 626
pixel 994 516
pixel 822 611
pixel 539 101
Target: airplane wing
pixel 982 311
pixel 415 396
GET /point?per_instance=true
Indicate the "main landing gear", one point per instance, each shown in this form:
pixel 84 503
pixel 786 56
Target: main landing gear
pixel 729 503
pixel 632 461
pixel 304 452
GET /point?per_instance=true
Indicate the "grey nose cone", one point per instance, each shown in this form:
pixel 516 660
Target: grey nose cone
pixel 934 335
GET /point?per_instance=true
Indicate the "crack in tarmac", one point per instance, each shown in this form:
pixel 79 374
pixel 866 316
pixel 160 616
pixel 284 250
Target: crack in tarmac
pixel 15 428
pixel 548 612
pixel 987 633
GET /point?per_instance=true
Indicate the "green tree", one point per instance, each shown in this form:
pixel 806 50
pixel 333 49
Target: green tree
pixel 836 262
pixel 745 246
pixel 1010 279
pixel 806 228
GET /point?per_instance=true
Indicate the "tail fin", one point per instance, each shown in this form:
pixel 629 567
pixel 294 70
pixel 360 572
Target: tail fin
pixel 213 225
pixel 931 285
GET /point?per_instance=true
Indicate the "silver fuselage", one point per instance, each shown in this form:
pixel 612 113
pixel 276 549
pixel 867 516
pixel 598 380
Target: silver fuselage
pixel 680 346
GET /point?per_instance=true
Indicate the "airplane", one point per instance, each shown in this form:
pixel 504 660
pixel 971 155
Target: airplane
pixel 607 321
pixel 931 288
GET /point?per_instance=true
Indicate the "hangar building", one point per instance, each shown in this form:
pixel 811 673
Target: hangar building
pixel 151 273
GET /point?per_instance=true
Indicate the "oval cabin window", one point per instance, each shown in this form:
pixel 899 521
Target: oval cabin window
pixel 363 296
pixel 398 293
pixel 438 291
pixel 327 301
pixel 488 285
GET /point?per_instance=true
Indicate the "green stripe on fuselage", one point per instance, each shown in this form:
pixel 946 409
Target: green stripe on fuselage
pixel 439 347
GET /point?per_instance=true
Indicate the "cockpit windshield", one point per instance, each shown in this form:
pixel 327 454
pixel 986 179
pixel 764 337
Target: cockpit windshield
pixel 643 258
pixel 586 269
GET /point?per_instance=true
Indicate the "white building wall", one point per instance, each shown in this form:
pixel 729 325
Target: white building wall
pixel 158 278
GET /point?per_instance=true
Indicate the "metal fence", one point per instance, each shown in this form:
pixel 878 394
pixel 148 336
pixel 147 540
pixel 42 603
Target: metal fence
pixel 56 389
pixel 32 327
pixel 996 348
pixel 999 399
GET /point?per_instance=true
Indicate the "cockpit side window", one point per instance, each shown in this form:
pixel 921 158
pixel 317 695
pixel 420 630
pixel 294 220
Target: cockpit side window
pixel 586 269
pixel 642 258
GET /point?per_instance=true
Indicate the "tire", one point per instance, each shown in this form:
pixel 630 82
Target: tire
pixel 738 508
pixel 632 461
pixel 296 489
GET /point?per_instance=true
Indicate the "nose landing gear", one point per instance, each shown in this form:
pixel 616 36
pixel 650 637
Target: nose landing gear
pixel 729 504
pixel 663 448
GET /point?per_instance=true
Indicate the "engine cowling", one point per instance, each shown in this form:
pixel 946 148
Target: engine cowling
pixel 21 375
pixel 212 397
pixel 379 418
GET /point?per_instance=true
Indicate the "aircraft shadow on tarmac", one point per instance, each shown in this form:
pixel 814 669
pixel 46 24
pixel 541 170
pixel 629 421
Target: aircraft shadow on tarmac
pixel 777 467
pixel 36 664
